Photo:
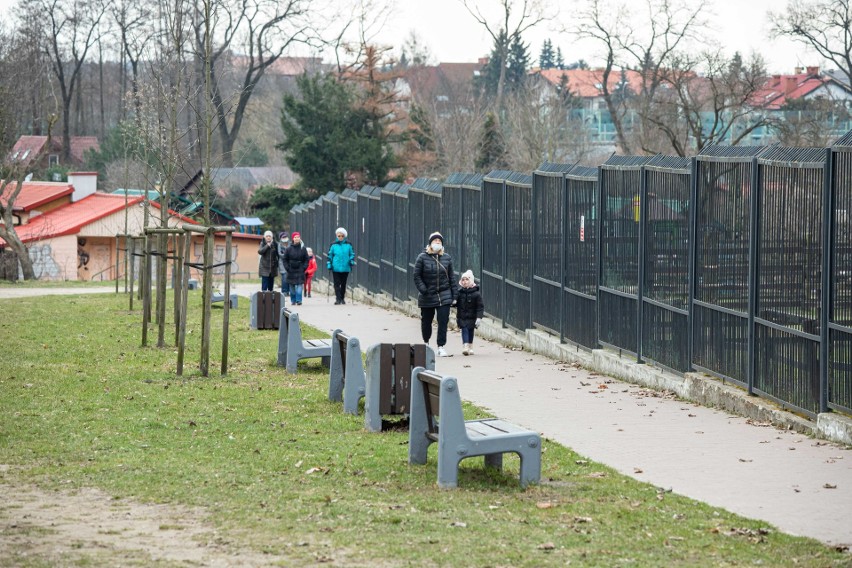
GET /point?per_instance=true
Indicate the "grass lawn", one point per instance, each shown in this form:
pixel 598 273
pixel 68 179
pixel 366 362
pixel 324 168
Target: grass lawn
pixel 282 470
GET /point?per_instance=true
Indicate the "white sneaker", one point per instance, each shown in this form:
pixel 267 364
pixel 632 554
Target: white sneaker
pixel 465 349
pixel 469 349
pixel 442 352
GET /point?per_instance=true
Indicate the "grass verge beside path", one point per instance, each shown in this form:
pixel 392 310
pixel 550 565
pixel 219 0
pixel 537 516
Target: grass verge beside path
pixel 282 470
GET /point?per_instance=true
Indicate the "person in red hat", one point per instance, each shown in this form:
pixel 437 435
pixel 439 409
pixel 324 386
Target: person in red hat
pixel 309 273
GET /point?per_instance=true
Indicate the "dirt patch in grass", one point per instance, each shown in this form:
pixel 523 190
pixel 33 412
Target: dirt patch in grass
pixel 64 528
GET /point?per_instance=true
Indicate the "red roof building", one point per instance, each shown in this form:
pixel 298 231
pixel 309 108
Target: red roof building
pixel 28 147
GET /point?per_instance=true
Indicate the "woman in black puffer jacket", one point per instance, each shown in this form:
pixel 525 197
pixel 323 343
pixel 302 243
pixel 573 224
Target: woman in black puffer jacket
pixel 437 287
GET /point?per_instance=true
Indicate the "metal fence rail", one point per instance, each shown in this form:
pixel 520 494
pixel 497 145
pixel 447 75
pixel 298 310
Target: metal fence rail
pixel 580 283
pixel 664 262
pixel 548 241
pixel 737 262
pixel 493 242
pixel 621 189
pixel 788 278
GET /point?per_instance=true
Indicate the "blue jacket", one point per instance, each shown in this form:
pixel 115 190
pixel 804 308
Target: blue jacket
pixel 341 256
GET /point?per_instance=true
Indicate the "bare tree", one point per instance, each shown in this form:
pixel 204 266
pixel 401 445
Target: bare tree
pixel 72 29
pixel 543 128
pixel 134 20
pixel 261 31
pixel 824 25
pixel 645 43
pixel 515 18
pixel 706 99
pixel 13 172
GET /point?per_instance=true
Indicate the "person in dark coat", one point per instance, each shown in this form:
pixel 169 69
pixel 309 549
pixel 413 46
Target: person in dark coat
pixel 437 289
pixel 268 263
pixel 295 263
pixel 283 243
pixel 469 310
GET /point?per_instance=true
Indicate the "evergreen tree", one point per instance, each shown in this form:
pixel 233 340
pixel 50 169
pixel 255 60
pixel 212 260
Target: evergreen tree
pixel 272 204
pixel 491 147
pixel 328 132
pixel 547 58
pixel 518 64
pixel 560 60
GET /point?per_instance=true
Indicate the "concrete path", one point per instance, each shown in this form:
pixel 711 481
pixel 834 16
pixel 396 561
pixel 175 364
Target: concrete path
pixel 801 485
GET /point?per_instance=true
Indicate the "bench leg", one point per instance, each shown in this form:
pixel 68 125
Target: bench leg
pixel 531 462
pixel 448 469
pixel 494 460
pixel 326 362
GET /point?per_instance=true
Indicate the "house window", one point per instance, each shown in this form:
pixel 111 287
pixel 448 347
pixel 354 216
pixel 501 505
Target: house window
pixel 53 160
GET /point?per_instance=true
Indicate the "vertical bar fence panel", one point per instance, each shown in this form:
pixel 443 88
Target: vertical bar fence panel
pixel 388 237
pixel 720 327
pixel 472 225
pixel 618 291
pixel 493 242
pixel 374 236
pixel 452 213
pixel 417 234
pixel 432 199
pixel 665 294
pixel 839 328
pixel 401 275
pixel 580 257
pixel 788 278
pixel 348 215
pixel 518 252
pixel 548 240
pixel 329 224
pixel 363 251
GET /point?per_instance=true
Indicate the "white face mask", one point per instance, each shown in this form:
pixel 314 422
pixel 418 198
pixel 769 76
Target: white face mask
pixel 437 247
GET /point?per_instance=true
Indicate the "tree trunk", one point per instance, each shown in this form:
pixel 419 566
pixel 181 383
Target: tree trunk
pixel 20 249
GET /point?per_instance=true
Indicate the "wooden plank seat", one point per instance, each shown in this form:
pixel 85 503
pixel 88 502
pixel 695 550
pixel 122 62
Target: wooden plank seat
pixel 436 417
pixel 388 379
pixel 346 377
pixel 291 347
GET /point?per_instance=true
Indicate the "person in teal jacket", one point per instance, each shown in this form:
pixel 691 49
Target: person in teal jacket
pixel 341 259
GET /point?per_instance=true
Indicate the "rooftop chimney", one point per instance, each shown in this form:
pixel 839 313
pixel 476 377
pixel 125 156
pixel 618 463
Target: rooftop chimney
pixel 798 70
pixel 790 84
pixel 84 184
pixel 813 71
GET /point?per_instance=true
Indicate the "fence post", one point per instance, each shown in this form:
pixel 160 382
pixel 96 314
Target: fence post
pixel 691 253
pixel 599 254
pixel 826 300
pixel 640 288
pixel 754 219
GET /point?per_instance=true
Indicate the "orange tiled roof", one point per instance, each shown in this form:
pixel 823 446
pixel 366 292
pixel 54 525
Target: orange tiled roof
pixel 35 193
pixel 780 89
pixel 70 219
pixel 588 83
pixel 28 146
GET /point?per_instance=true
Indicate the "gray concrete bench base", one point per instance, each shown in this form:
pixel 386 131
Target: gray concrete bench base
pixel 218 297
pixel 291 348
pixel 346 380
pixel 436 417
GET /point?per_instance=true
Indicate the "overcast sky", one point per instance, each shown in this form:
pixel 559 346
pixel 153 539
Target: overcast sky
pixel 452 35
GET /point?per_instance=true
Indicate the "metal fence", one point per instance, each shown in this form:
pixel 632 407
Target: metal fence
pixel 737 262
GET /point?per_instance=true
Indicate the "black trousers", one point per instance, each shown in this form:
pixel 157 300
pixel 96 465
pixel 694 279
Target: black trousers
pixel 340 279
pixel 426 317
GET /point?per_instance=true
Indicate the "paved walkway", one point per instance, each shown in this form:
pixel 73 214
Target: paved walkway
pixel 801 485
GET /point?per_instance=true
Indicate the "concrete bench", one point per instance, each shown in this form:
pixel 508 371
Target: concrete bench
pixel 385 384
pixel 388 379
pixel 220 297
pixel 192 284
pixel 291 348
pixel 265 309
pixel 346 380
pixel 436 416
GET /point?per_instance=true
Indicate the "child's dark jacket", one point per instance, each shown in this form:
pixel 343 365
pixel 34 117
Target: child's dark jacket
pixel 469 306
